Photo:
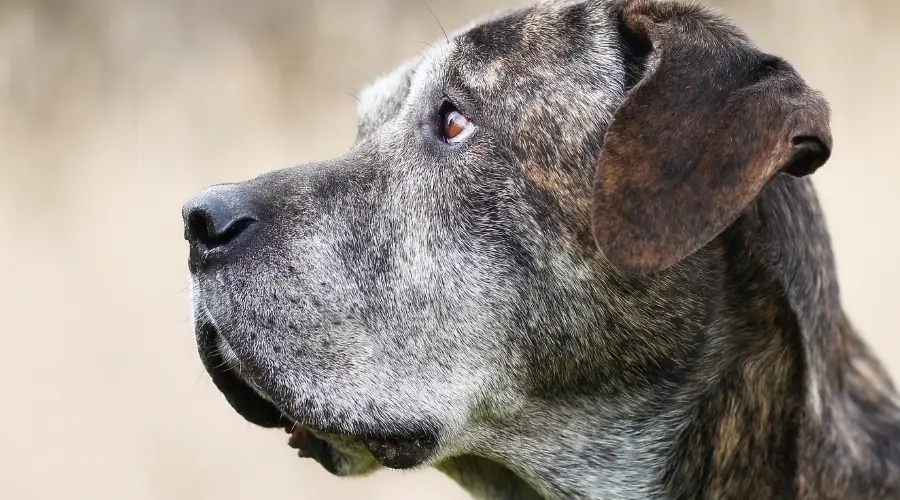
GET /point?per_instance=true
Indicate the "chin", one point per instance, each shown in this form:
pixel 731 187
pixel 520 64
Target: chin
pixel 338 453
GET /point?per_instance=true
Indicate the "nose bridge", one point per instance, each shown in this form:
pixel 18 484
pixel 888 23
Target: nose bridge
pixel 316 184
pixel 271 186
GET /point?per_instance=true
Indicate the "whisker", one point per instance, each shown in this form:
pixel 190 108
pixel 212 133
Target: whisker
pixel 197 382
pixel 425 3
pixel 224 363
pixel 420 43
pixel 353 95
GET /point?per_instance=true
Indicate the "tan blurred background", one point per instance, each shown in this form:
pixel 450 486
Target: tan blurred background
pixel 113 112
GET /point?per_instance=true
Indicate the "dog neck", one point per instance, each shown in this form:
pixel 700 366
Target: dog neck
pixel 711 428
pixel 780 402
pixel 743 428
pixel 589 455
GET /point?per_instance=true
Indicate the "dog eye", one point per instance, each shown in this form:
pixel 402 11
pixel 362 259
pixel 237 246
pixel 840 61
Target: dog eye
pixel 455 127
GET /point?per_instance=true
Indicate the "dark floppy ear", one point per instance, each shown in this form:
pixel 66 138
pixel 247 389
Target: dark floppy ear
pixel 709 123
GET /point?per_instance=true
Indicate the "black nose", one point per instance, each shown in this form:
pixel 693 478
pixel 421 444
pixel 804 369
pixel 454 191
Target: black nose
pixel 216 219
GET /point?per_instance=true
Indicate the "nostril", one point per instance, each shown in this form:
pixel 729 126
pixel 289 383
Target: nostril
pixel 217 217
pixel 197 227
pixel 230 232
pixel 212 233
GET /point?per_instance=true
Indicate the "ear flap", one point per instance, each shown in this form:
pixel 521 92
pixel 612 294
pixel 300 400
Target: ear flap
pixel 708 125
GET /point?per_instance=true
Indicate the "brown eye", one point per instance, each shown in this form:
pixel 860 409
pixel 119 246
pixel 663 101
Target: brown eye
pixel 455 127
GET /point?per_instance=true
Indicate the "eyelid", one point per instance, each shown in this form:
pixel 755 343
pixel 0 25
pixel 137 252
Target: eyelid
pixel 446 102
pixel 461 105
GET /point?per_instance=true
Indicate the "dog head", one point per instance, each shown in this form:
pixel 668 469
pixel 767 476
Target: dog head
pixel 530 210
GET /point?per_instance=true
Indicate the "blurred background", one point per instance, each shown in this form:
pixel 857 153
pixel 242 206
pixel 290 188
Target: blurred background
pixel 113 112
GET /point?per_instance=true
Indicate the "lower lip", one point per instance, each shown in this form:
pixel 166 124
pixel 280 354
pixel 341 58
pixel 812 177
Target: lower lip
pixel 237 391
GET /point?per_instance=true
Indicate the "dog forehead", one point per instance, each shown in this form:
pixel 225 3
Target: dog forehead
pixel 544 41
pixel 541 42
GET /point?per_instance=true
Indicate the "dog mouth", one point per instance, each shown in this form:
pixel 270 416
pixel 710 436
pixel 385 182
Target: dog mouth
pixel 255 406
pixel 308 445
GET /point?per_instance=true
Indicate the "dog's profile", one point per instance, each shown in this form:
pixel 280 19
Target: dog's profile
pixel 572 254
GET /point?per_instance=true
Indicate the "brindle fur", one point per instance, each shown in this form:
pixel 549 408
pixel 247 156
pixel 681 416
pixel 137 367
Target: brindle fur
pixel 621 286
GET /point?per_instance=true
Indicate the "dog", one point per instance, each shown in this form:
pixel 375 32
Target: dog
pixel 573 253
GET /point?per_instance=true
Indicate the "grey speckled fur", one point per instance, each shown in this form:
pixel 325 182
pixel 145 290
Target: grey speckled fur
pixel 454 296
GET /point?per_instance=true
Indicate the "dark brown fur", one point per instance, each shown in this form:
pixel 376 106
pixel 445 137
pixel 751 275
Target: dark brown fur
pixel 707 127
pixel 672 177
